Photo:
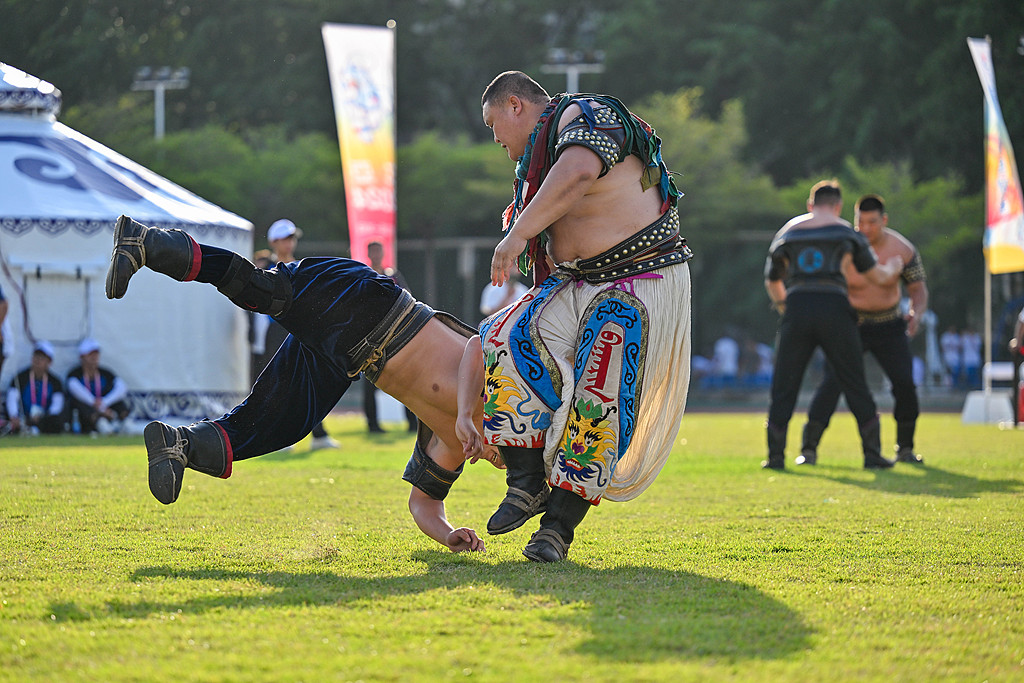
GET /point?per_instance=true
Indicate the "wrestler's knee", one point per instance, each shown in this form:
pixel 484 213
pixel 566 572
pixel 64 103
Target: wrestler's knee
pixel 425 474
pixel 255 289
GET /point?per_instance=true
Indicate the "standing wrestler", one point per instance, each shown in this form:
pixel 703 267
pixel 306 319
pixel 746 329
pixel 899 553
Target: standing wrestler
pixel 884 331
pixel 343 319
pixel 804 279
pixel 587 373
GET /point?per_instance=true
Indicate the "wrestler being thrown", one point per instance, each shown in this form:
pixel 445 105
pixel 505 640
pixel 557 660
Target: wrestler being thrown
pixel 344 319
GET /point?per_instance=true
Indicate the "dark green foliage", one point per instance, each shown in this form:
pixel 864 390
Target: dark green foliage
pixel 754 102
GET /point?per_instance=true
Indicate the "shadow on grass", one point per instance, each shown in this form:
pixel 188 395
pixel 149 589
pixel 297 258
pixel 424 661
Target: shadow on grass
pixel 304 450
pixel 633 614
pixel 285 455
pixel 924 480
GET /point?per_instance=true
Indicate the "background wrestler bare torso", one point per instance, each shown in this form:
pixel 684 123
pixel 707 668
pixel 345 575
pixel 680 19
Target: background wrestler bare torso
pixel 866 296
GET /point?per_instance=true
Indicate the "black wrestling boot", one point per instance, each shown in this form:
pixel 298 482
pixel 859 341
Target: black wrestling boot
pixel 809 447
pixel 551 542
pixel 871 442
pixel 905 443
pixel 170 252
pixel 200 446
pixel 527 489
pixel 776 449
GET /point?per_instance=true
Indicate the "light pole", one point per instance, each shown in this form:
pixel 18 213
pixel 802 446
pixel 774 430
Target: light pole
pixel 160 79
pixel 573 63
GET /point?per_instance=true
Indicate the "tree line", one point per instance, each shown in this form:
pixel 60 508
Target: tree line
pixel 755 102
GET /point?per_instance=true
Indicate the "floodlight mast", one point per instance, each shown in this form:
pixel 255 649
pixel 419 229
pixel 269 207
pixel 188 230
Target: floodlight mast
pixel 573 63
pixel 159 79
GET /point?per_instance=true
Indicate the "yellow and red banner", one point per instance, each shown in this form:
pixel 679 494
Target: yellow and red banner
pixel 361 64
pixel 1004 206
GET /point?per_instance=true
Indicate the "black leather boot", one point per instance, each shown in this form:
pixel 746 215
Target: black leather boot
pixel 200 446
pixel 527 489
pixel 809 446
pixel 905 443
pixel 171 252
pixel 871 442
pixel 776 449
pixel 551 542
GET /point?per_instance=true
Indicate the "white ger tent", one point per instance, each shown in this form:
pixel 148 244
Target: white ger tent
pixel 181 348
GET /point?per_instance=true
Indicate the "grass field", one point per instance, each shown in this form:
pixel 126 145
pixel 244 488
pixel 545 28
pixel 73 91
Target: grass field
pixel 307 567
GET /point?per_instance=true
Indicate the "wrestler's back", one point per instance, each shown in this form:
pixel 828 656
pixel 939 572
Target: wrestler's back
pixel 424 375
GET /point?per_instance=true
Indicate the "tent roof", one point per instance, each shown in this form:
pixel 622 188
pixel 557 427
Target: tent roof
pixel 22 92
pixel 54 179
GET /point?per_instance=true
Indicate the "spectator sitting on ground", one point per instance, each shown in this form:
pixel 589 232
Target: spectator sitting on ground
pixel 35 399
pixel 97 394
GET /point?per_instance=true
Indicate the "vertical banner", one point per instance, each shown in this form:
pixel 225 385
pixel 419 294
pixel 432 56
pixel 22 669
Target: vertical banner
pixel 1004 206
pixel 361 64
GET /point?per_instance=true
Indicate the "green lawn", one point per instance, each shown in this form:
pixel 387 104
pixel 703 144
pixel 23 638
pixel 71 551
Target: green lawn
pixel 307 567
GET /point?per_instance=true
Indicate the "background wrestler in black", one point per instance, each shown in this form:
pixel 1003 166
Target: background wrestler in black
pixel 885 331
pixel 803 276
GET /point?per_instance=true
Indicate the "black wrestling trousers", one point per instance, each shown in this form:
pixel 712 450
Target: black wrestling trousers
pixel 812 320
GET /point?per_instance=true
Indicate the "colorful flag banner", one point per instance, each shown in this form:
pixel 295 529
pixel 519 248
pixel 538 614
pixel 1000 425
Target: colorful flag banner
pixel 1004 206
pixel 361 64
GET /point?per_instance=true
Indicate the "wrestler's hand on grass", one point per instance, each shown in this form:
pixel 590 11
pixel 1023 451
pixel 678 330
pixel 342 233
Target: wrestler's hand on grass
pixel 505 256
pixel 463 539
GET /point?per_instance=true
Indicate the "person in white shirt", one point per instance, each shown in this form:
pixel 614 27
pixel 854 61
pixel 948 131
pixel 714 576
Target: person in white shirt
pixel 35 399
pixel 97 394
pixel 949 341
pixel 493 299
pixel 726 360
pixel 971 354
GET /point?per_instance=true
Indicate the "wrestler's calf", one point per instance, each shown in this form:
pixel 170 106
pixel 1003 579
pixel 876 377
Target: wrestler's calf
pixel 255 289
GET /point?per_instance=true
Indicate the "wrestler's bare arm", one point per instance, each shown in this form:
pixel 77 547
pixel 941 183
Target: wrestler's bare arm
pixel 430 518
pixel 430 391
pixel 471 384
pixel 918 293
pixel 777 293
pixel 429 513
pixel 570 178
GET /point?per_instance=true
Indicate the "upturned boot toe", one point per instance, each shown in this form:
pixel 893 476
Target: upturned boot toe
pixel 128 257
pixel 165 446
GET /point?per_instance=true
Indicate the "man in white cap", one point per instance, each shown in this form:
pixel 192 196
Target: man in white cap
pixel 283 236
pixel 35 399
pixel 97 394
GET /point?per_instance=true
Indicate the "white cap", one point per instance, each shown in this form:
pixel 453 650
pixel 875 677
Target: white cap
pixel 88 345
pixel 281 229
pixel 43 346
